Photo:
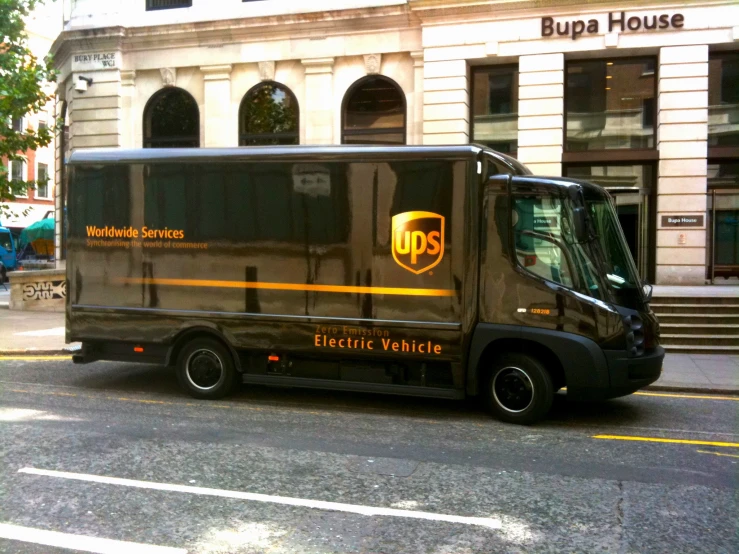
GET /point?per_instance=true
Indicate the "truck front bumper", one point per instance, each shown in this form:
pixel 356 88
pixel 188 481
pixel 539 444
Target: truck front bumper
pixel 628 375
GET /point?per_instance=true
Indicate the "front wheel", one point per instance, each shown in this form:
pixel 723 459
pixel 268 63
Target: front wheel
pixel 205 369
pixel 519 389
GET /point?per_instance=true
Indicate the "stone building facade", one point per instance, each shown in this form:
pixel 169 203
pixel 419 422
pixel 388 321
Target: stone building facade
pixel 640 97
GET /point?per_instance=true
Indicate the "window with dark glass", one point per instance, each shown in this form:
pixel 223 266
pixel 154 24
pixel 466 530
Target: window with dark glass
pixel 167 4
pixel 171 119
pixel 374 112
pixel 269 115
pixel 610 104
pixel 42 181
pixel 723 100
pixel 17 124
pixel 495 108
pixel 6 241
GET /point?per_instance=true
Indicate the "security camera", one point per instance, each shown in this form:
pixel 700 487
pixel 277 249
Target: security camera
pixel 82 83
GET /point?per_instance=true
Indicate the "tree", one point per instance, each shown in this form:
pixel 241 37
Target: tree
pixel 22 81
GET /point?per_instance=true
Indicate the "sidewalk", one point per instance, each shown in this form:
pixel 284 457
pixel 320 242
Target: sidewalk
pixel 31 332
pixel 42 332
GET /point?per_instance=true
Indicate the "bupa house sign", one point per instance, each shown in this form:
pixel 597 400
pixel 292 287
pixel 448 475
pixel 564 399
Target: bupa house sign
pixel 618 22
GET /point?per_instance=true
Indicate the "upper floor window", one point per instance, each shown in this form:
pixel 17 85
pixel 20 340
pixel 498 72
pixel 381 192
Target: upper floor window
pixel 18 173
pixel 17 124
pixel 610 104
pixel 373 112
pixel 723 99
pixel 167 4
pixel 495 108
pixel 42 181
pixel 171 120
pixel 268 115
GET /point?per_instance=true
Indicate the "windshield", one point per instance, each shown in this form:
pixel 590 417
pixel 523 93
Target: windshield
pixel 616 260
pixel 5 241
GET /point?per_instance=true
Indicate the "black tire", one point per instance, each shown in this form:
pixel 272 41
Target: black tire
pixel 205 369
pixel 3 275
pixel 518 389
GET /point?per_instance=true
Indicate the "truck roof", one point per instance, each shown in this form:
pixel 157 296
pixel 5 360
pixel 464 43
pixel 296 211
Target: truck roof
pixel 124 155
pixel 565 182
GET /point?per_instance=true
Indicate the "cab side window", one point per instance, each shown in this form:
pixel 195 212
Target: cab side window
pixel 536 222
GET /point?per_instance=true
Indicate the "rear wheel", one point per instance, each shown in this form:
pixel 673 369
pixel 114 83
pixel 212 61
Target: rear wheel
pixel 205 369
pixel 519 389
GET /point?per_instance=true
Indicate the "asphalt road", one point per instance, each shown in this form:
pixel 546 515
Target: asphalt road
pixel 115 451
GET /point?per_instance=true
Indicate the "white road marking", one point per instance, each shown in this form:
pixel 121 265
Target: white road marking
pixel 284 500
pixel 55 332
pixel 81 542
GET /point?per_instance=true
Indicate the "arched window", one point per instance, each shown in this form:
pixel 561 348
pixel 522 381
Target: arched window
pixel 268 115
pixel 373 112
pixel 171 120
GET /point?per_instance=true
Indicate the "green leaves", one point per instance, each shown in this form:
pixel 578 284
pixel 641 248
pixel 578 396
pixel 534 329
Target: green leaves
pixel 24 90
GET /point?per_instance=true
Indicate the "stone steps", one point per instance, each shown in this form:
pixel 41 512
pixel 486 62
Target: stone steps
pixel 699 325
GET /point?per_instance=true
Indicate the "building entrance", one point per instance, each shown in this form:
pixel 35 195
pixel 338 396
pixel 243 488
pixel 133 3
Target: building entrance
pixel 723 229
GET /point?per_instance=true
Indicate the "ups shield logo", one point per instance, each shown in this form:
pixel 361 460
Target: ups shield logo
pixel 418 240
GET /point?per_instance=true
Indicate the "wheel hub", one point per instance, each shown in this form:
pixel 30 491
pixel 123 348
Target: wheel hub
pixel 204 369
pixel 513 389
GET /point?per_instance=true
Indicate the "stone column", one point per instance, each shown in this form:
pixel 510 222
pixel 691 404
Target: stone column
pixel 319 101
pixel 541 112
pixel 415 131
pixel 128 117
pixel 682 142
pixel 221 126
pixel 446 104
pixel 95 114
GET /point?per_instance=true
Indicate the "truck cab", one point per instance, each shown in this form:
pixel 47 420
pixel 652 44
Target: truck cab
pixel 7 253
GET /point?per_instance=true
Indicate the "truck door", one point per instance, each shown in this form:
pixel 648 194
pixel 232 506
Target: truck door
pixel 7 249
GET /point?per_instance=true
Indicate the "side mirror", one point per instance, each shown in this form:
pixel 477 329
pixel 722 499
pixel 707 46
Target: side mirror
pixel 579 220
pixel 647 290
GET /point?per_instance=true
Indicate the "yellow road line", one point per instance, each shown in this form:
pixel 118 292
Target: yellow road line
pixel 718 454
pixel 697 396
pixel 671 441
pixel 59 357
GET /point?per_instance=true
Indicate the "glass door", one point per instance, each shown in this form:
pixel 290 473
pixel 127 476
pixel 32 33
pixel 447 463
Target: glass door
pixel 632 207
pixel 723 208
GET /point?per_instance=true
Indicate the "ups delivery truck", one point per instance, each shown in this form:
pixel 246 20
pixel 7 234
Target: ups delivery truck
pixel 433 271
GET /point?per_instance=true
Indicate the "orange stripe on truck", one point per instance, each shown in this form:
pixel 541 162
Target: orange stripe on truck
pixel 286 286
